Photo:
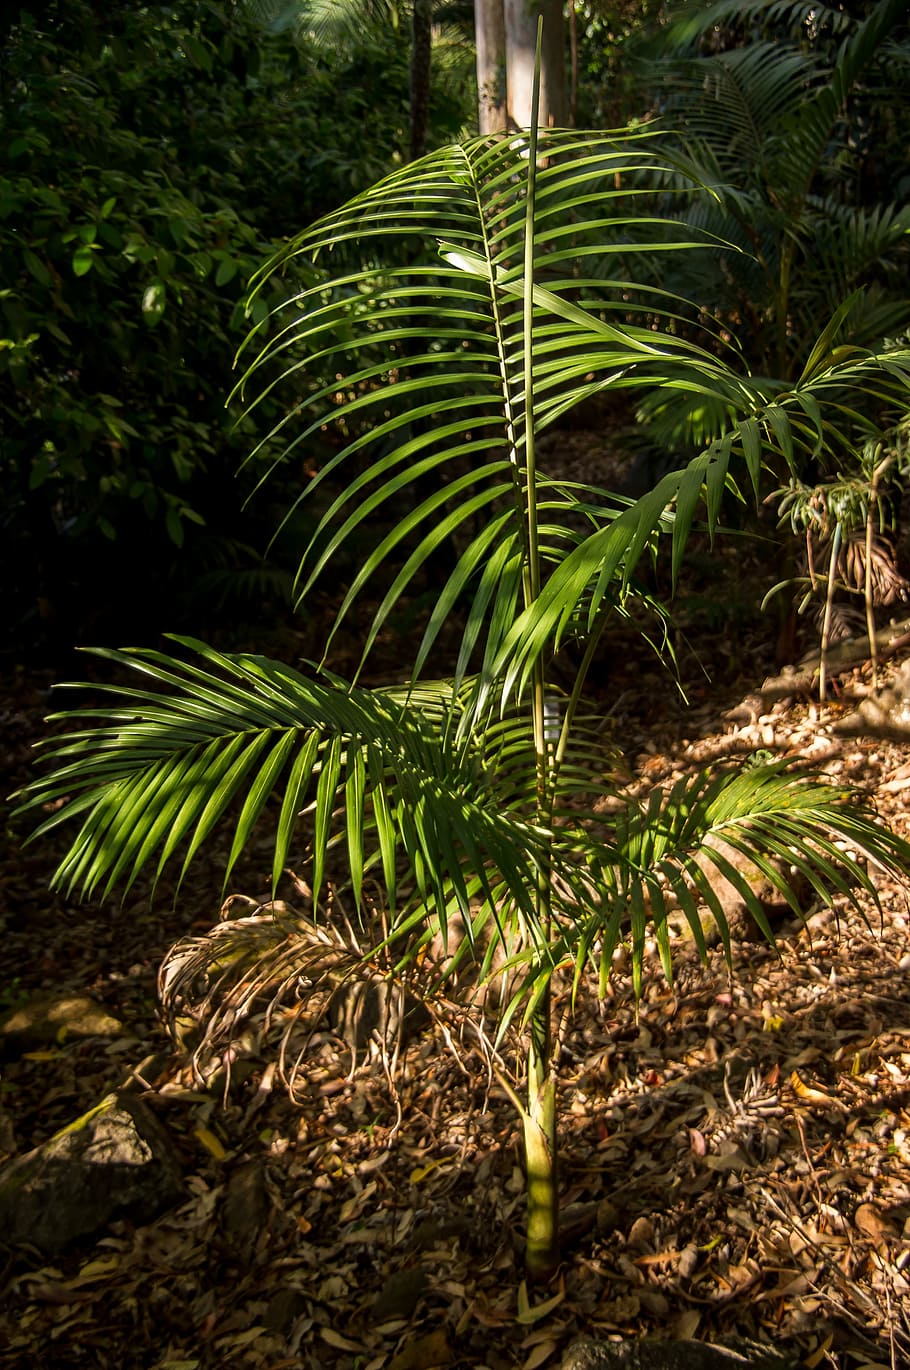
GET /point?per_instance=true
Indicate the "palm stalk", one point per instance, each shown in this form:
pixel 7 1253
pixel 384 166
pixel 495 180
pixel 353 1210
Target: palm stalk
pixel 539 1117
pixel 830 589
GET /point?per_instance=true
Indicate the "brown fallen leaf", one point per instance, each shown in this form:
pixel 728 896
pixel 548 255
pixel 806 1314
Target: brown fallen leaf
pixel 576 1221
pixel 400 1293
pixel 813 1097
pixel 424 1353
pixel 540 1354
pixel 641 1234
pixel 697 1142
pixel 875 1225
pixel 530 1314
pixel 339 1342
pixel 686 1325
pixel 735 1159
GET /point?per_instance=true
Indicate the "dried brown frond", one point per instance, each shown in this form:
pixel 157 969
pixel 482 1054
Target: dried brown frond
pixel 273 960
pixel 889 586
pixel 845 622
pixel 271 978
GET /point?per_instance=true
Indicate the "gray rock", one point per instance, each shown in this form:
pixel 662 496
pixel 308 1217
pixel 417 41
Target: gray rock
pixel 54 1017
pixel 116 1161
pixel 585 1354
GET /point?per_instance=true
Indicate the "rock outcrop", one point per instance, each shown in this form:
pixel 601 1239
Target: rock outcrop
pixel 116 1161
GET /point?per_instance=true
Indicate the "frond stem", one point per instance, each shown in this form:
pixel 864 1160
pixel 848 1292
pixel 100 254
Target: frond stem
pixel 581 675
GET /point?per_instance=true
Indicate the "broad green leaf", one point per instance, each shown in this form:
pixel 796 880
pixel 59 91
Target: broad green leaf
pixel 154 300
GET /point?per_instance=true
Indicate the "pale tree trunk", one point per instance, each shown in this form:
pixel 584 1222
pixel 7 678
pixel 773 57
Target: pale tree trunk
pixel 490 30
pixel 521 42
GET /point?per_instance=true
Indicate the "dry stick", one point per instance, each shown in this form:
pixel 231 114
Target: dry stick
pixel 891 1346
pixel 813 1174
pixel 877 475
pixel 829 606
pixel 810 559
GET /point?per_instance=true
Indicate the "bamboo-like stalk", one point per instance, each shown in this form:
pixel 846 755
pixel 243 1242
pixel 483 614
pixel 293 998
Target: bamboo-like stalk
pixel 539 1116
pixel 539 1119
pixel 867 584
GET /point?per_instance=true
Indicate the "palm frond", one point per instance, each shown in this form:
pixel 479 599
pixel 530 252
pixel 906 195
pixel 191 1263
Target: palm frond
pixel 621 877
pixel 672 847
pixel 327 23
pixel 734 101
pixel 459 806
pixel 224 734
pixel 689 22
pixel 434 400
pixel 154 772
pixel 854 243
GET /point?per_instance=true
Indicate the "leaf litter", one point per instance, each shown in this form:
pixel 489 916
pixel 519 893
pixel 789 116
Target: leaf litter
pixel 735 1150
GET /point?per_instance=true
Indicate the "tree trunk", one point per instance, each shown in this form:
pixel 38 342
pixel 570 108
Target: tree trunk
pixel 490 29
pixel 521 42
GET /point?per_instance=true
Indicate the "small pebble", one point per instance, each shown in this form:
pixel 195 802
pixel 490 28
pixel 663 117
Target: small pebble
pixel 641 1234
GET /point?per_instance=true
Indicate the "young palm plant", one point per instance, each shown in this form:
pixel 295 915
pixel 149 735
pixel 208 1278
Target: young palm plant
pixel 447 317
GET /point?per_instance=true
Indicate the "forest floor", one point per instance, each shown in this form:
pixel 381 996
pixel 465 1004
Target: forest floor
pixel 735 1152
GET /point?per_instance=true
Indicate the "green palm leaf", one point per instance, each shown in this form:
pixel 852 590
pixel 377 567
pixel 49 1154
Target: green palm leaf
pixel 166 768
pixel 469 301
pixel 158 770
pixel 681 838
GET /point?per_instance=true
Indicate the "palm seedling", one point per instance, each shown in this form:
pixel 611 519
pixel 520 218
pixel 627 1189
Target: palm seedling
pixel 845 523
pixel 447 316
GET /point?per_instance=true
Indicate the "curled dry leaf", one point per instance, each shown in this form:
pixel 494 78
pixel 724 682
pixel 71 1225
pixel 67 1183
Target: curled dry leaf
pixel 875 1225
pixel 814 1098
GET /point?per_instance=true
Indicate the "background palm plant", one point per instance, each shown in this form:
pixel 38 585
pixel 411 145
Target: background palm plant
pixel 448 315
pixel 792 113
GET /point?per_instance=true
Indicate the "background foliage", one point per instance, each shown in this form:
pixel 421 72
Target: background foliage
pixel 155 156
